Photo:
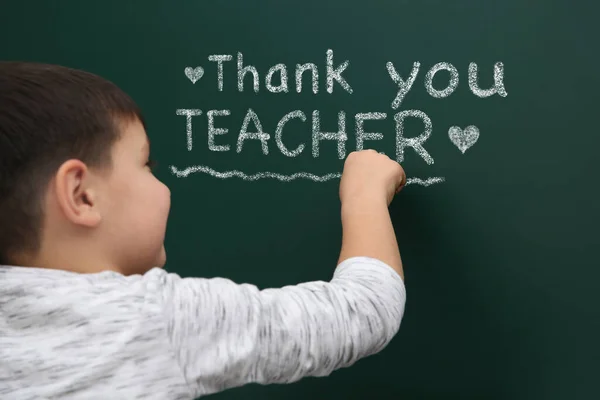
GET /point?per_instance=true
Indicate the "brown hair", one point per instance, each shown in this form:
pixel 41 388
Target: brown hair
pixel 48 115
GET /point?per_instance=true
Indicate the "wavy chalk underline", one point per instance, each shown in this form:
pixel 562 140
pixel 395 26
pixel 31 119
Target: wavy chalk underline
pixel 286 178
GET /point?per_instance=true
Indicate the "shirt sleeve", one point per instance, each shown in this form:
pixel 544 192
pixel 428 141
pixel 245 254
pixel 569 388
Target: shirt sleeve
pixel 225 334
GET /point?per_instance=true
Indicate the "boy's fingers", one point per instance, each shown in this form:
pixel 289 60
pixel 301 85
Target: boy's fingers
pixel 402 182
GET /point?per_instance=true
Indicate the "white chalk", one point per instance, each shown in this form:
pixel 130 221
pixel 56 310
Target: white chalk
pixel 340 135
pixel 219 58
pixel 283 86
pixel 403 86
pixel 189 113
pixel 260 135
pixel 452 84
pixel 242 71
pixel 498 81
pixel 212 131
pixel 279 133
pixel 414 142
pixel 300 68
pixel 335 74
pixel 282 177
pixel 361 135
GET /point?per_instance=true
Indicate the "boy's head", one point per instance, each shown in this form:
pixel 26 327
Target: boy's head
pixel 76 190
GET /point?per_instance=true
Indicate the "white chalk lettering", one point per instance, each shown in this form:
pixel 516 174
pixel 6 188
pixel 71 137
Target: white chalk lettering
pixel 414 142
pixel 283 86
pixel 260 135
pixel 279 133
pixel 300 68
pixel 361 135
pixel 403 87
pixel 340 135
pixel 189 113
pixel 336 74
pixel 498 81
pixel 452 84
pixel 242 71
pixel 219 58
pixel 212 131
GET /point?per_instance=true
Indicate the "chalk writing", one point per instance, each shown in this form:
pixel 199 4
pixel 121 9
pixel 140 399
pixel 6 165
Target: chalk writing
pixel 306 75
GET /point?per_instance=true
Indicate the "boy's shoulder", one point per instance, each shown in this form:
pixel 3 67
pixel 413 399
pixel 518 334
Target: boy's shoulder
pixel 67 334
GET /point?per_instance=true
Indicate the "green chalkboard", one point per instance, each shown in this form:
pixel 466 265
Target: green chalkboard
pixel 500 251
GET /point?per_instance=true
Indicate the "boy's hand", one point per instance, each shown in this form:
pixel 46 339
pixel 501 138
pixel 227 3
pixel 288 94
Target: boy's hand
pixel 370 175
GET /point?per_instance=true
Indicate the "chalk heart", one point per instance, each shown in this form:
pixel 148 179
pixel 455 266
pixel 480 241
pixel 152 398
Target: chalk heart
pixel 194 74
pixel 463 139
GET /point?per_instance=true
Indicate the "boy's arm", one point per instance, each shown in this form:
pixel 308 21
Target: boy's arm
pixel 368 231
pixel 226 335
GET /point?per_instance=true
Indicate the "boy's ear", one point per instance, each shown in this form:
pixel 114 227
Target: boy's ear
pixel 75 195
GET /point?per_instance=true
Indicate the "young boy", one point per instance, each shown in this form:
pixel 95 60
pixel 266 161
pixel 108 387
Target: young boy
pixel 87 312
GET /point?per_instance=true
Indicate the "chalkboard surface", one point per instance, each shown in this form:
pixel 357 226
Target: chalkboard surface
pixel 489 105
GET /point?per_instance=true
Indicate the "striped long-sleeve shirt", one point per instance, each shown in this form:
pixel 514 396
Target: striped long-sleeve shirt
pixel 65 335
